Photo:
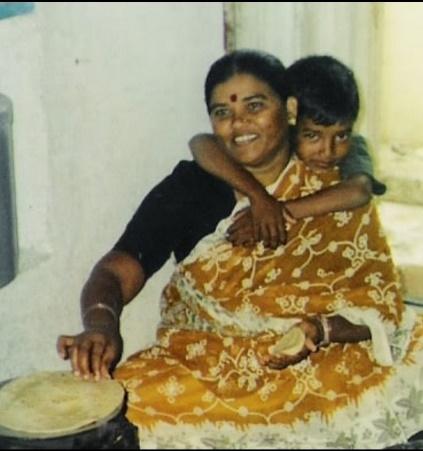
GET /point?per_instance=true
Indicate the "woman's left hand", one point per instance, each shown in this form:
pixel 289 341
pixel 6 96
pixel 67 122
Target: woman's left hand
pixel 280 362
pixel 312 337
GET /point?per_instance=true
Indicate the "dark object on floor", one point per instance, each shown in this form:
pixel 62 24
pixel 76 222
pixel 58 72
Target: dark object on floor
pixel 414 442
pixel 117 433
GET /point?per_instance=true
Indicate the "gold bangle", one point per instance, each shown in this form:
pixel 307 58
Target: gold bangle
pixel 102 306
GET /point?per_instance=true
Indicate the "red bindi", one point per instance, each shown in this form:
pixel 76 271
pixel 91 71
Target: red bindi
pixel 233 97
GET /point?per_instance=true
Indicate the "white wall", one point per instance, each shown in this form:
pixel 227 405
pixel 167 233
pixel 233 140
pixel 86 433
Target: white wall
pixel 402 75
pixel 105 98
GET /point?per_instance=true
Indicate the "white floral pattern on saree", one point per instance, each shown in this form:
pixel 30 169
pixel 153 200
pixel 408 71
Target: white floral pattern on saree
pixel 203 384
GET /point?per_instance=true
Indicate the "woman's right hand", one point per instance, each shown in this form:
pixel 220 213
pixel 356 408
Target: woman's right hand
pixel 92 353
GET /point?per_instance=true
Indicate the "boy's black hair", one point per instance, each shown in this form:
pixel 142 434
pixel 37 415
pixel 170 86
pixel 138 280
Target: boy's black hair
pixel 325 88
pixel 262 65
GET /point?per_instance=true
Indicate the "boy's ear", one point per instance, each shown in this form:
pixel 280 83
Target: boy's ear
pixel 292 110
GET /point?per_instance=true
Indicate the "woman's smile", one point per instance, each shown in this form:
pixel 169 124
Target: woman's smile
pixel 242 140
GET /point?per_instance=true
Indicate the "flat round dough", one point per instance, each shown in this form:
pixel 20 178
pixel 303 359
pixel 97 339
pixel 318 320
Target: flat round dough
pixel 290 344
pixel 52 404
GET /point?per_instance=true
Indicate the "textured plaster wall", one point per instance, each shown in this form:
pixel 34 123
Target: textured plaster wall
pixel 106 97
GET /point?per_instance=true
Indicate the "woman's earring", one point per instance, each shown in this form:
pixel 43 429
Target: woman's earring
pixel 292 120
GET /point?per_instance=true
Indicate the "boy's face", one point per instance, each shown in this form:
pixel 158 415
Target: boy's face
pixel 321 147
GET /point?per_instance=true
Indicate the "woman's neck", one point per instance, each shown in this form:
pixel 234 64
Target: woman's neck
pixel 267 173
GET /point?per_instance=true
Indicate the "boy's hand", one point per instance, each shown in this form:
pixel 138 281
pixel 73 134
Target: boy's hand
pixel 263 221
pixel 268 221
pixel 241 232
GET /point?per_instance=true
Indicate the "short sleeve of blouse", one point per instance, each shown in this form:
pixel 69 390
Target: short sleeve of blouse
pixel 174 215
pixel 151 234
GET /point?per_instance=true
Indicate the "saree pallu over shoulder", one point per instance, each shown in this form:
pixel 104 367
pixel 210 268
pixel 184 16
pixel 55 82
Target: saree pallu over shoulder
pixel 203 385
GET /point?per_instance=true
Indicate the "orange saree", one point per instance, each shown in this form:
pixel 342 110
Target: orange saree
pixel 203 386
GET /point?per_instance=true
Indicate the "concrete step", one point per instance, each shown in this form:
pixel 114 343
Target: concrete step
pixel 401 169
pixel 403 224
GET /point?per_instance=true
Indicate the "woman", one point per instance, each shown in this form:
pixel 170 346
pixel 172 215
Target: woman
pixel 206 383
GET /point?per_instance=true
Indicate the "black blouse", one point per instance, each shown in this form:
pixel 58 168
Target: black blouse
pixel 186 206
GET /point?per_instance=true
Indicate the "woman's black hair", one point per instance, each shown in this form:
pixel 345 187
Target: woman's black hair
pixel 325 88
pixel 262 65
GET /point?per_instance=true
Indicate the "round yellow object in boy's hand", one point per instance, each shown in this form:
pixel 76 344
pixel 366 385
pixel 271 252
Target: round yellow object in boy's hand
pixel 290 344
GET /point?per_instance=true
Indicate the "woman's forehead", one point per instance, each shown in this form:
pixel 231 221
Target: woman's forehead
pixel 241 86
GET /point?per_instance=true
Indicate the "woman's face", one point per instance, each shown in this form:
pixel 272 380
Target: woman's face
pixel 251 120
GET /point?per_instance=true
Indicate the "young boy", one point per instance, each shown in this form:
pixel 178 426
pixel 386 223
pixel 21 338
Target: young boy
pixel 322 106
